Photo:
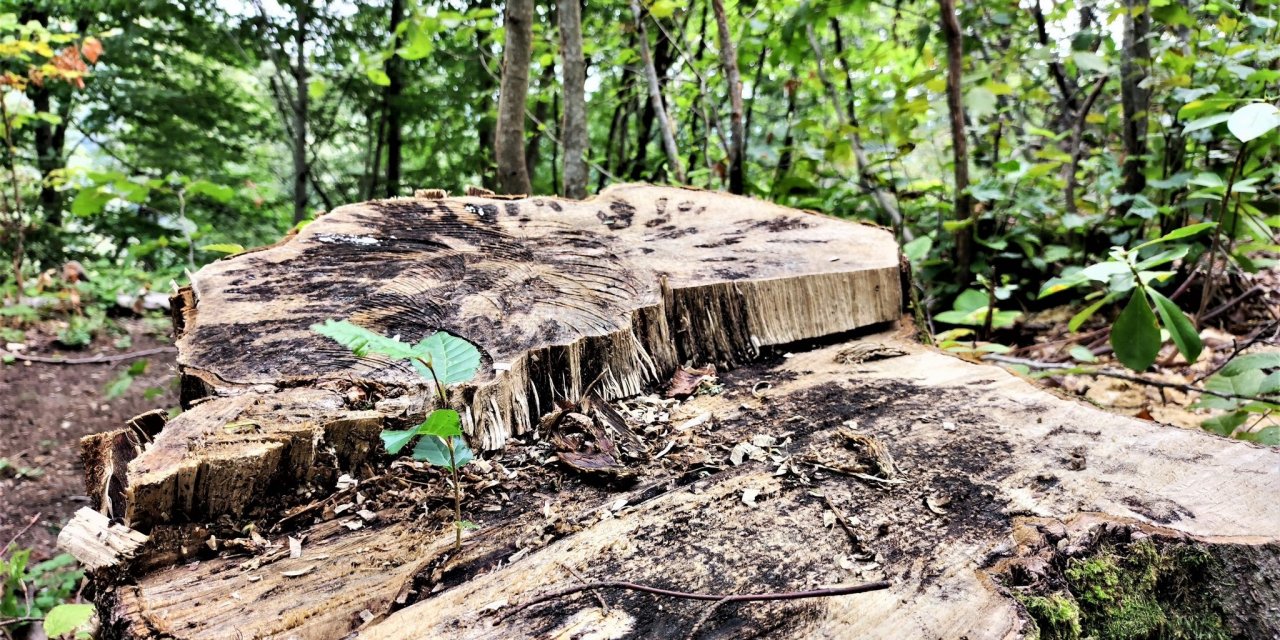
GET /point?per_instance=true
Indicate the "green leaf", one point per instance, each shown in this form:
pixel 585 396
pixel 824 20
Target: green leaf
pixel 1223 425
pixel 1078 319
pixel 1183 232
pixel 980 101
pixel 1179 326
pixel 362 341
pixel 1081 353
pixel 378 77
pixel 1206 122
pixel 1164 257
pixel 1240 364
pixel 1253 120
pixel 117 387
pixel 1135 337
pixel 394 441
pixel 1090 61
pixel 436 451
pixel 227 248
pixel 1247 383
pixel 970 300
pixel 442 423
pixel 453 359
pixel 90 202
pixel 917 250
pixel 1268 436
pixel 219 192
pixel 67 618
pixel 663 8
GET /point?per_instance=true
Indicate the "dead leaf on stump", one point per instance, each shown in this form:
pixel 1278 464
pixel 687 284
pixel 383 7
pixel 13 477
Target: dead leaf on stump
pixel 686 381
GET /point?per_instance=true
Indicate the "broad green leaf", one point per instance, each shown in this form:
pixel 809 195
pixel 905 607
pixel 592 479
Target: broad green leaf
pixel 1135 337
pixel 90 202
pixel 1240 364
pixel 221 193
pixel 227 248
pixel 1206 122
pixel 1253 120
pixel 452 359
pixel 394 441
pixel 442 423
pixel 1179 326
pixel 1268 436
pixel 67 618
pixel 1164 257
pixel 980 101
pixel 1223 425
pixel 969 300
pixel 378 77
pixel 917 250
pixel 663 8
pixel 1245 384
pixel 1090 61
pixel 1056 285
pixel 436 452
pixel 362 341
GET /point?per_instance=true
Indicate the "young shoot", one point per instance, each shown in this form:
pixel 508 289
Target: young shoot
pixel 443 359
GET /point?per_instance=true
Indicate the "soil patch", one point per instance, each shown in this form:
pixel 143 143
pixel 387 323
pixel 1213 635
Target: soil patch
pixel 44 411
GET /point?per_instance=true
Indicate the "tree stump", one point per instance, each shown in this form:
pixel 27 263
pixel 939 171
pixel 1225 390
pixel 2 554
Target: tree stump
pixel 827 450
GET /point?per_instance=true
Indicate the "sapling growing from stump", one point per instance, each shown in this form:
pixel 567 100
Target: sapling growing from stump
pixel 443 359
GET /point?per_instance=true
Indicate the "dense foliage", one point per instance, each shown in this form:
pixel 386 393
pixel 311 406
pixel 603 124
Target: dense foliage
pixel 145 138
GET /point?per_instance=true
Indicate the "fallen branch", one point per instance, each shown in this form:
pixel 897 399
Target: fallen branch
pixel 715 597
pixel 101 359
pixel 1120 375
pixel 1253 339
pixel 32 523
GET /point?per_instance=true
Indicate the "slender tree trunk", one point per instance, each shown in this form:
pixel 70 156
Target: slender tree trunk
pixel 300 170
pixel 573 131
pixel 513 174
pixel 729 60
pixel 1134 99
pixel 655 97
pixel 783 169
pixel 959 143
pixel 543 112
pixel 393 107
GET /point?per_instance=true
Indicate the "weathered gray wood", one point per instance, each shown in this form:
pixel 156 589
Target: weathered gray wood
pixel 991 472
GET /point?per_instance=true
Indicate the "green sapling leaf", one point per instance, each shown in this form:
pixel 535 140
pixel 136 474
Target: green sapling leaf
pixel 442 423
pixel 394 441
pixel 362 341
pixel 453 359
pixel 1180 327
pixel 1135 337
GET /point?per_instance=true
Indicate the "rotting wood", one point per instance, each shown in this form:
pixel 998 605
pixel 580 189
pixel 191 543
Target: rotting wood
pixel 96 542
pixel 984 458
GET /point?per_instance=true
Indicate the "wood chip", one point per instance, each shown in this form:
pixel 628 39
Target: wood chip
pixel 298 572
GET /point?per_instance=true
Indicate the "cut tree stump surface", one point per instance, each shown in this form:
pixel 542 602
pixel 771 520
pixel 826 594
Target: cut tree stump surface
pixel 269 510
pixel 991 472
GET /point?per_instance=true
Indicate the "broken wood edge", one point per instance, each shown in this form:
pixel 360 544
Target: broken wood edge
pixel 98 544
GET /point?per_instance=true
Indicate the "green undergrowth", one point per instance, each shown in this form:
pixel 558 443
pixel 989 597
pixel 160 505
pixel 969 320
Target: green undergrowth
pixel 1133 592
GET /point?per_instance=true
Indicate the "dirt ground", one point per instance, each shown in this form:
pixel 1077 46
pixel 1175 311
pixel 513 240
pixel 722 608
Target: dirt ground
pixel 46 408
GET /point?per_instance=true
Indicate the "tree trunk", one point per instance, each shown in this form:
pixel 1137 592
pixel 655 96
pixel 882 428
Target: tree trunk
pixel 300 169
pixel 573 131
pixel 393 105
pixel 513 174
pixel 856 459
pixel 963 206
pixel 543 114
pixel 655 98
pixel 1135 100
pixel 729 61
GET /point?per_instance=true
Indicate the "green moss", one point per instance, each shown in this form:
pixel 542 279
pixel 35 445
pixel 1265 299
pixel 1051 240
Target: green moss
pixel 1057 616
pixel 1142 591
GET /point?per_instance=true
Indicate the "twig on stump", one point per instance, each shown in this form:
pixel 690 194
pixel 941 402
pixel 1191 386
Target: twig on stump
pixel 116 357
pixel 750 597
pixel 702 619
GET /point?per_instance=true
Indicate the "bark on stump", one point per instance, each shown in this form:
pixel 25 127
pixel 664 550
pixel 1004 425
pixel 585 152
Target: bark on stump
pixel 996 509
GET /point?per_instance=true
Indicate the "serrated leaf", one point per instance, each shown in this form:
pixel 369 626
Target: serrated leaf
pixel 394 441
pixel 1180 327
pixel 362 341
pixel 1135 336
pixel 1253 120
pixel 452 359
pixel 435 451
pixel 442 423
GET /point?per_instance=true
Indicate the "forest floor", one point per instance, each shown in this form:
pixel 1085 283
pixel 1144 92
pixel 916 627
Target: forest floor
pixel 47 408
